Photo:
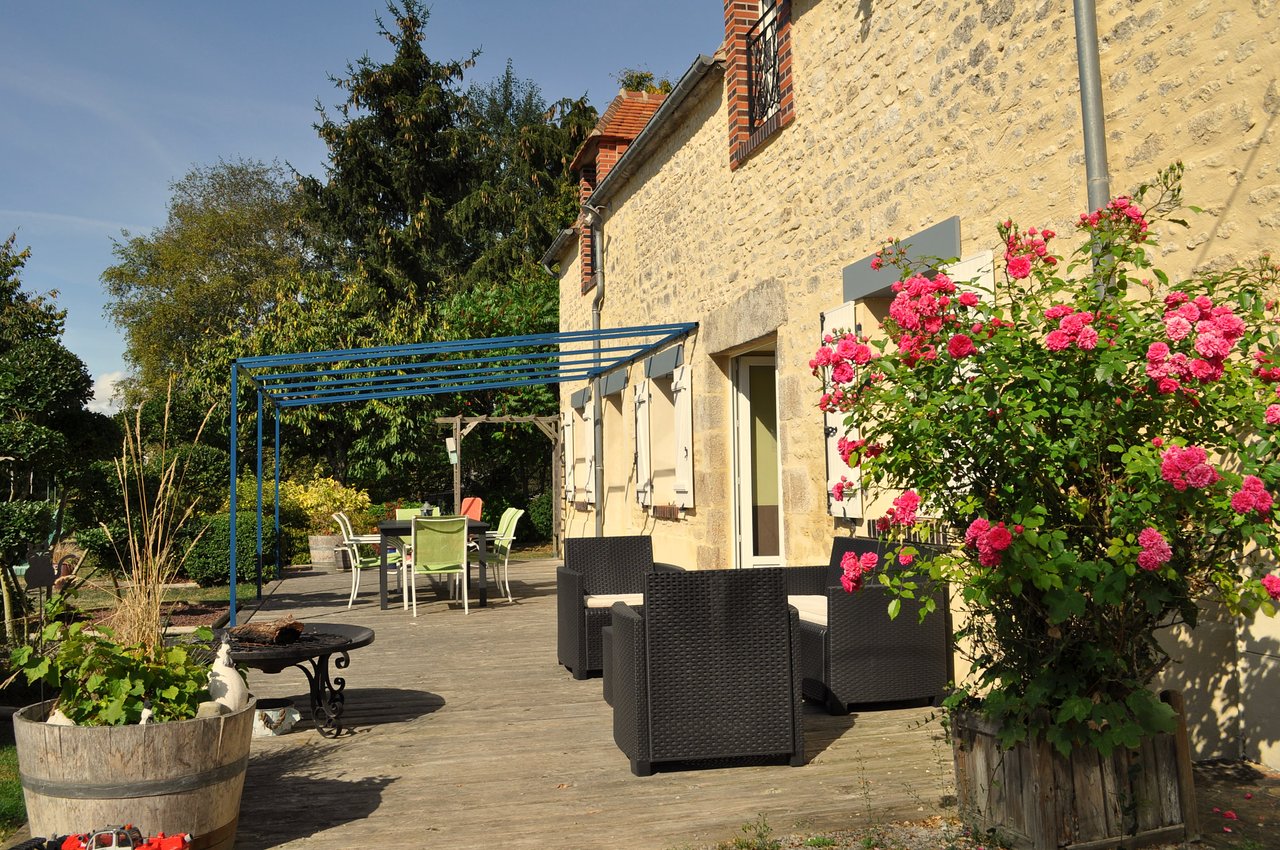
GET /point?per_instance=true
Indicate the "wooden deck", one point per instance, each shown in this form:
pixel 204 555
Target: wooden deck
pixel 467 733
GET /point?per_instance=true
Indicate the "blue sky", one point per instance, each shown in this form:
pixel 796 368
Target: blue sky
pixel 105 104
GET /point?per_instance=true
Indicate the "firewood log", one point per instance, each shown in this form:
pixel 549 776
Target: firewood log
pixel 283 631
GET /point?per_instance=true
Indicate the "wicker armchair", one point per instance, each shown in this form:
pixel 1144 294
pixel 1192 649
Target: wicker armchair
pixel 709 670
pixel 852 653
pixel 595 570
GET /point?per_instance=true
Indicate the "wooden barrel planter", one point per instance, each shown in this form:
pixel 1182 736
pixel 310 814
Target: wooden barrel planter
pixel 1033 797
pixel 182 776
pixel 321 548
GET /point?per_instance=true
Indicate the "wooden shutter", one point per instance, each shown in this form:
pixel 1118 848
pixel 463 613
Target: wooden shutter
pixel 644 468
pixel 570 449
pixel 844 317
pixel 588 437
pixel 975 272
pixel 681 389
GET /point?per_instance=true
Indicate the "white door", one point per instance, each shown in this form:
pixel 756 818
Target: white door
pixel 757 464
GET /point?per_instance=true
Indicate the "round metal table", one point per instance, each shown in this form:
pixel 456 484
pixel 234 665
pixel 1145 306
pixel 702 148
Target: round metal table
pixel 310 653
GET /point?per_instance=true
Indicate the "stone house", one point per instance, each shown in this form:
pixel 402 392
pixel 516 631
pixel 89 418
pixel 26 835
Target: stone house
pixel 751 198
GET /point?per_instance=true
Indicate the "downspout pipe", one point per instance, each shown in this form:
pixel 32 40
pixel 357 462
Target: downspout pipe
pixel 1095 122
pixel 1095 137
pixel 596 221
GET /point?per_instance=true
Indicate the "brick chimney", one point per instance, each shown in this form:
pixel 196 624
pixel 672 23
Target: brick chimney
pixel 617 128
pixel 740 18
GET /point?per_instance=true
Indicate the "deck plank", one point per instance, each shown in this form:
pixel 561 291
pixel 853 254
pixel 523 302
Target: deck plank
pixel 466 731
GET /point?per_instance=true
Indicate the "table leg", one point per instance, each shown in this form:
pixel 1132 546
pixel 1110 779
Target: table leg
pixel 482 554
pixel 382 573
pixel 327 698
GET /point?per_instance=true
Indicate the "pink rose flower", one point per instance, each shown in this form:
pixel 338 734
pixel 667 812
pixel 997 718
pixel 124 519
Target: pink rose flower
pixel 960 346
pixel 999 538
pixel 1057 340
pixel 1271 584
pixel 1155 549
pixel 846 346
pixel 1019 267
pixel 1176 328
pixel 904 509
pixel 968 299
pixel 1201 475
pixel 1273 414
pixel 976 529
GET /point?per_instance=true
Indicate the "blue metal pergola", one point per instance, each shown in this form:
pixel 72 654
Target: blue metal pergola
pixel 283 381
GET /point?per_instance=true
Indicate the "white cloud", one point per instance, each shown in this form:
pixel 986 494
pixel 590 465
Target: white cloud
pixel 78 222
pixel 104 393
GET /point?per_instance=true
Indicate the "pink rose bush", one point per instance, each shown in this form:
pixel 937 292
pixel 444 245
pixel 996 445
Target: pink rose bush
pixel 855 568
pixel 1098 442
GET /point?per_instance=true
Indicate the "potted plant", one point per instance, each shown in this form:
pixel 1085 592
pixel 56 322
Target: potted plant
pixel 1099 444
pixel 128 745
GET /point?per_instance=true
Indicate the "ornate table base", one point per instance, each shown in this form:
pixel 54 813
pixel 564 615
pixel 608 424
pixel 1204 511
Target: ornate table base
pixel 311 653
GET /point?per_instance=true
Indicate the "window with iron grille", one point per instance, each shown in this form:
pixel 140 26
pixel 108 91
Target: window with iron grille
pixel 764 91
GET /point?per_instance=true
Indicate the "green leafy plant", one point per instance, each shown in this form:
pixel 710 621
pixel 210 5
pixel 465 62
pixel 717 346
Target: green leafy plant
pixel 101 682
pixel 820 841
pixel 107 675
pixel 1098 442
pixel 759 835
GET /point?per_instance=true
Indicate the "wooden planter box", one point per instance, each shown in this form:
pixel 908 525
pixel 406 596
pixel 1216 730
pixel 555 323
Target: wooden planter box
pixel 1035 798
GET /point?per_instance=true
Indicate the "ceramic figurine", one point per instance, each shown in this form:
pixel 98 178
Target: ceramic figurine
pixel 59 719
pixel 226 685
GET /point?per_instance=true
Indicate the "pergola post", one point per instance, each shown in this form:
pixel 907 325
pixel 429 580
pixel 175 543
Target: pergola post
pixel 457 464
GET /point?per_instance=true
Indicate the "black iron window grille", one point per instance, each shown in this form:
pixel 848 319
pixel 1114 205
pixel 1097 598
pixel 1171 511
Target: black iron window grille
pixel 764 92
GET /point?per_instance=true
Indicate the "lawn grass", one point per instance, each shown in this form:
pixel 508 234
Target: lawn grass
pixel 98 592
pixel 13 811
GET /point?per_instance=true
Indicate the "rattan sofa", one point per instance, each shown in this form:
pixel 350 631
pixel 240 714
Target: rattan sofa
pixel 852 652
pixel 707 671
pixel 597 572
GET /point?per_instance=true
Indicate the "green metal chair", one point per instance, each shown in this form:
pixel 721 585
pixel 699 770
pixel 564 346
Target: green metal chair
pixel 500 545
pixel 439 549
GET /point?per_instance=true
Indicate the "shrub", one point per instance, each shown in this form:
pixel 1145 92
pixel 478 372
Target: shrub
pixel 208 564
pixel 540 516
pixel 1100 445
pixel 308 506
pixel 99 552
pixel 23 523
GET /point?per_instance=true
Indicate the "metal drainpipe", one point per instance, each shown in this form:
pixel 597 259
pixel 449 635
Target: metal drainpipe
pixel 597 409
pixel 1095 135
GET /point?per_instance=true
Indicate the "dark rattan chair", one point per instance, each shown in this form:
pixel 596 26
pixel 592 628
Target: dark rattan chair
pixel 707 671
pixel 860 655
pixel 594 566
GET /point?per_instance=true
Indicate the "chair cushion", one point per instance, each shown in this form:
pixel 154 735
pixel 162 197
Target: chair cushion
pixel 811 608
pixel 606 600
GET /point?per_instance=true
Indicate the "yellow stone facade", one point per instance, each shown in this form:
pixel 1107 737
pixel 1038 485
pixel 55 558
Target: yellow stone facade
pixel 908 112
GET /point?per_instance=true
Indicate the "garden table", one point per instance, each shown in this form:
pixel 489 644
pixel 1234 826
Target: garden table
pixel 392 530
pixel 310 653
